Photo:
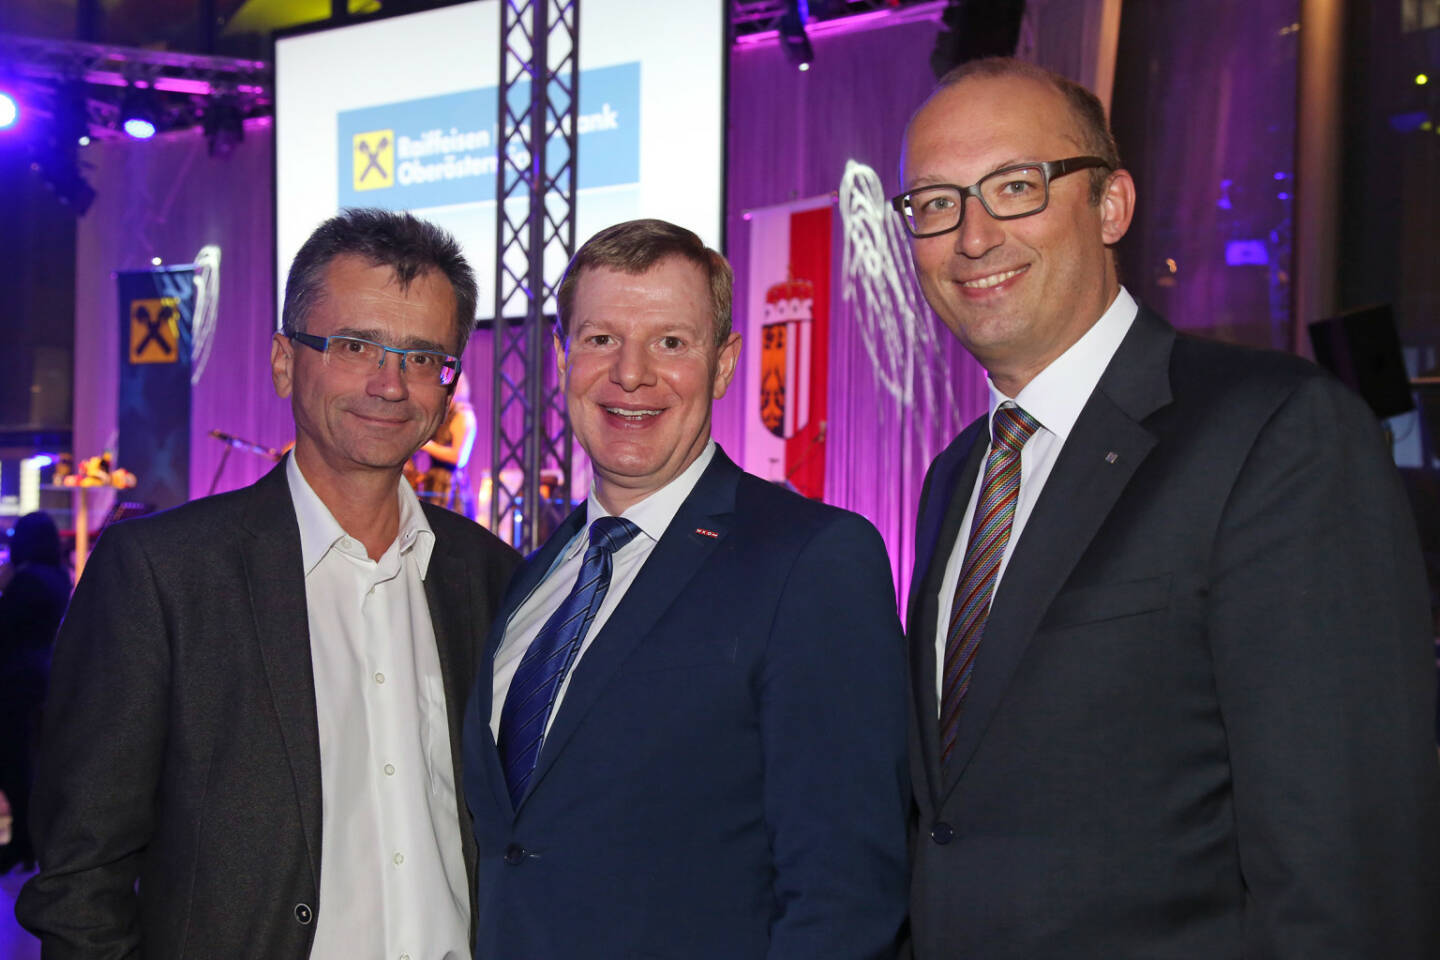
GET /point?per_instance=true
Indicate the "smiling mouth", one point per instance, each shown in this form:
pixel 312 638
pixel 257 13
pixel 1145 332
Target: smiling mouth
pixel 994 280
pixel 634 416
pixel 384 421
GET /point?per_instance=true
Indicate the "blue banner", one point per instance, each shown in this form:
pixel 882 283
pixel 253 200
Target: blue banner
pixel 154 411
pixel 439 151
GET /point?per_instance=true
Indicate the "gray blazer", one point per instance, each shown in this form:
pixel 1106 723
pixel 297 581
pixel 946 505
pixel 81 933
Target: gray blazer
pixel 180 745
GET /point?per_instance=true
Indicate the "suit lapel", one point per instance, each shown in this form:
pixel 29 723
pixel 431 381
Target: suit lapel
pixel 276 582
pixel 937 531
pixel 1105 448
pixel 447 596
pixel 675 561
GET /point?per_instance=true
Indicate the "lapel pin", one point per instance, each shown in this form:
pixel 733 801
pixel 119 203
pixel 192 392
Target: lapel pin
pixel 707 533
pixel 1111 457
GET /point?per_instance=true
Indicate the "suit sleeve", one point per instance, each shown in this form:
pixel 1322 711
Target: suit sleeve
pixel 833 732
pixel 100 758
pixel 1321 637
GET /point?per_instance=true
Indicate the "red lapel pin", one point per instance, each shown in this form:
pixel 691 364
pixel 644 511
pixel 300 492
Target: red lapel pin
pixel 707 533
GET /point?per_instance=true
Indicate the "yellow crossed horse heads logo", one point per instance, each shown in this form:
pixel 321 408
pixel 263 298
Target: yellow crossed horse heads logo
pixel 155 330
pixel 374 159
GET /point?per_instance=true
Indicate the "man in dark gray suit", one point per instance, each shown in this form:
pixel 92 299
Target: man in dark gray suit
pixel 1168 626
pixel 256 697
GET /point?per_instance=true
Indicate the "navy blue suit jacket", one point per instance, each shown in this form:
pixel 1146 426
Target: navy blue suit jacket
pixel 725 777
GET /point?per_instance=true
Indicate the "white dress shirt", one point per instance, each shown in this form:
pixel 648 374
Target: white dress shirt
pixel 652 515
pixel 392 873
pixel 1054 398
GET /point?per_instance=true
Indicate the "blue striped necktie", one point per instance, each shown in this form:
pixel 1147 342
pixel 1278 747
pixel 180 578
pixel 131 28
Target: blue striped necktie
pixel 989 532
pixel 537 680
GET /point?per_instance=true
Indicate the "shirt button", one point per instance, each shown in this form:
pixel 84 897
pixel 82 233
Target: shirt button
pixel 379 678
pixel 514 854
pixel 404 956
pixel 389 769
pixel 399 859
pixel 303 913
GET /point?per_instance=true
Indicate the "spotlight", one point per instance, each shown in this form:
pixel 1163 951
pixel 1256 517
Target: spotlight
pixel 137 114
pixel 9 110
pixel 224 125
pixel 793 38
pixel 1421 79
pixel 53 150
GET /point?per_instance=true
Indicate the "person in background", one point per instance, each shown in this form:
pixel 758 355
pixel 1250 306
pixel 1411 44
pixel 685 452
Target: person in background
pixel 31 607
pixel 444 482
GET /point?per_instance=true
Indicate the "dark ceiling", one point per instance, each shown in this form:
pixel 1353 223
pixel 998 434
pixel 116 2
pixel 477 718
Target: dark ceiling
pixel 242 28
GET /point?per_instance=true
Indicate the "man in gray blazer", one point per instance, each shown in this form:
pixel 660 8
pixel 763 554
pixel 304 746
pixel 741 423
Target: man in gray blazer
pixel 1168 626
pixel 252 740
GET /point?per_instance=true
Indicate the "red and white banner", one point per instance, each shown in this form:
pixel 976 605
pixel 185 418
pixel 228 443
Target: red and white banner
pixel 787 344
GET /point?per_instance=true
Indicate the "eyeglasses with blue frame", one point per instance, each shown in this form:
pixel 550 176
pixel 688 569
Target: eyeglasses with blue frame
pixel 428 367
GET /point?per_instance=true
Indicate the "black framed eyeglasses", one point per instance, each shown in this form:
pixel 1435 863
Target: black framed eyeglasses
pixel 427 367
pixel 1007 194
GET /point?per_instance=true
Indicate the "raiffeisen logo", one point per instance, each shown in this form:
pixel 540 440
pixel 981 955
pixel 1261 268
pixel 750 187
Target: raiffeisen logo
pixel 441 151
pixel 374 159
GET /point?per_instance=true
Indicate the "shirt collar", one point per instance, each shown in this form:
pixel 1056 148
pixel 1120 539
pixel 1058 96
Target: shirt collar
pixel 1058 393
pixel 320 531
pixel 653 514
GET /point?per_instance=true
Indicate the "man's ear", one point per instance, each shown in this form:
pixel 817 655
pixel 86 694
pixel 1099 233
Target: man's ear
pixel 559 360
pixel 282 364
pixel 1117 207
pixel 725 365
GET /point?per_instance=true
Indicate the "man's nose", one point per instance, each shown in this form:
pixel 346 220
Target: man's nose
pixel 632 368
pixel 978 233
pixel 388 380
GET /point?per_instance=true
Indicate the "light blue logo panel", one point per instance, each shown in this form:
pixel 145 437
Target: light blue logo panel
pixel 440 151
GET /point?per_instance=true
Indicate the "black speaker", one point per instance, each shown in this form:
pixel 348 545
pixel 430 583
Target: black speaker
pixel 1362 349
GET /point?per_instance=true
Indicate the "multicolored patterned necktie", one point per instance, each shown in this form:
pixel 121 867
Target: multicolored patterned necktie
pixel 537 680
pixel 990 531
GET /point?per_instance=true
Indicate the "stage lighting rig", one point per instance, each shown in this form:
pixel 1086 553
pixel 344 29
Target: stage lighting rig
pixel 139 117
pixel 167 90
pixel 54 147
pixel 793 38
pixel 224 125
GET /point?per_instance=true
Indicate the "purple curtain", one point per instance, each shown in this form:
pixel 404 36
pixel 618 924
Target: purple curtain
pixel 791 136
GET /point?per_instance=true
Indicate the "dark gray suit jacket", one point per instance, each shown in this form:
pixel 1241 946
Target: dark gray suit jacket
pixel 1199 723
pixel 180 743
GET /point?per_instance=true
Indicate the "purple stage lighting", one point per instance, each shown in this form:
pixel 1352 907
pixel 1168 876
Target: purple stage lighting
pixel 137 114
pixel 9 110
pixel 139 128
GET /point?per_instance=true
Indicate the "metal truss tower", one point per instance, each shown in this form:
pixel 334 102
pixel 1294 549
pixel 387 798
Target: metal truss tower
pixel 534 239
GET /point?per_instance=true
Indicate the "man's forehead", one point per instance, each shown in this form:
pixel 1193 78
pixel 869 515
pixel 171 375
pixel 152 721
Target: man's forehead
pixel 1004 119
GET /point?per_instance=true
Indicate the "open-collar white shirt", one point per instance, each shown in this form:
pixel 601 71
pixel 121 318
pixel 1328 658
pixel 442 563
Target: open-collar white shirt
pixel 652 515
pixel 1054 398
pixel 392 871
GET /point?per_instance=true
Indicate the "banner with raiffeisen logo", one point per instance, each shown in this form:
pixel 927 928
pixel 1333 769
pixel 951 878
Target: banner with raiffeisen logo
pixel 153 442
pixel 441 151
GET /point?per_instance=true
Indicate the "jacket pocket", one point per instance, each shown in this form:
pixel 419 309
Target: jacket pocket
pixel 1107 601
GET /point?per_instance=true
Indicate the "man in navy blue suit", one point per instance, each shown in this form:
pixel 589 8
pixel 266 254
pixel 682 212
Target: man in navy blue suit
pixel 690 742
